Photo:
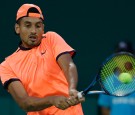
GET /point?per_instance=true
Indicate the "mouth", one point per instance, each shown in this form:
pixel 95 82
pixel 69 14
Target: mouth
pixel 33 38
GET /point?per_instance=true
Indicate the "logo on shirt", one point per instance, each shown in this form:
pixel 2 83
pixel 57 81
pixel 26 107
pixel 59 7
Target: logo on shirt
pixel 42 53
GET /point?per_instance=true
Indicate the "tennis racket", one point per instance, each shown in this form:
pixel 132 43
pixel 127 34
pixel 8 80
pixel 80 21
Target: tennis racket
pixel 109 76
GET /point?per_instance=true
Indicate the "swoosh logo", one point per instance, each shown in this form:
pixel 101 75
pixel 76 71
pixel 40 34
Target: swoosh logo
pixel 42 53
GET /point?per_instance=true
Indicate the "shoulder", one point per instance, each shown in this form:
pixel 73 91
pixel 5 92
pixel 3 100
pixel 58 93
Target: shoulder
pixel 51 35
pixel 13 56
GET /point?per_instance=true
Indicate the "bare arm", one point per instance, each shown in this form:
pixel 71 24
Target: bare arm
pixel 28 103
pixel 69 68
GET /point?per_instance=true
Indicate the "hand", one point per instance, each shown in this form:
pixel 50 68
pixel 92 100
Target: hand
pixel 60 102
pixel 63 103
pixel 73 92
pixel 73 95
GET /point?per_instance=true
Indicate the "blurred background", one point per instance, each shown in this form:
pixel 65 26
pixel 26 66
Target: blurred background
pixel 92 27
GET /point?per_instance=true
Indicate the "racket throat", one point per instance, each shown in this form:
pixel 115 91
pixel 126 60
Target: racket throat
pixel 95 92
pixel 89 87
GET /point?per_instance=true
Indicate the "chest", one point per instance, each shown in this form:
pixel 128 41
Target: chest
pixel 35 66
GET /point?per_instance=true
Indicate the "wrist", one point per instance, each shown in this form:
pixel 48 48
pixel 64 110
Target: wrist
pixel 50 99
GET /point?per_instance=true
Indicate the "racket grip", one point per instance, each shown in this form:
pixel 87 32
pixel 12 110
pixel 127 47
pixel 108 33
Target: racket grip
pixel 80 94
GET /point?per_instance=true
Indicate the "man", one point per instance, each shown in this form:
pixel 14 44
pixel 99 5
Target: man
pixel 41 75
pixel 111 105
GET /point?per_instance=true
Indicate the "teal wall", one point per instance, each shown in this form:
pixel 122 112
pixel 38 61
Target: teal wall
pixel 91 27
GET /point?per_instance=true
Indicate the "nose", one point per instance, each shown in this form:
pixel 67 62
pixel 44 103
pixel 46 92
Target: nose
pixel 33 30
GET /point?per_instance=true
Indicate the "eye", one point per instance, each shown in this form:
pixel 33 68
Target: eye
pixel 38 25
pixel 27 25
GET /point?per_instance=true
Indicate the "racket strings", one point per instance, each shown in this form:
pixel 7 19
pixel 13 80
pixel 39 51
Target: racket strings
pixel 109 76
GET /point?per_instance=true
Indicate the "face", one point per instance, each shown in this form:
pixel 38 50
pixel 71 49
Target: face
pixel 30 30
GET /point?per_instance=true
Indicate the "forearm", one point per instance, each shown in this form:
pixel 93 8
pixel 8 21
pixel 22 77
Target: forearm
pixel 72 76
pixel 26 102
pixel 35 104
pixel 69 69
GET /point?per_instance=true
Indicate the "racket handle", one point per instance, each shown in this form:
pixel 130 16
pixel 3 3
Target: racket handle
pixel 80 94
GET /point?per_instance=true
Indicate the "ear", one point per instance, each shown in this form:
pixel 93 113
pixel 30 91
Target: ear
pixel 17 28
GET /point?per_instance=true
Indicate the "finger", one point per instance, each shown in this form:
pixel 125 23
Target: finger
pixel 72 101
pixel 82 99
pixel 63 106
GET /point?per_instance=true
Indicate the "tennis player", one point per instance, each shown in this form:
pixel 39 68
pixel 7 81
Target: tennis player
pixel 41 75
